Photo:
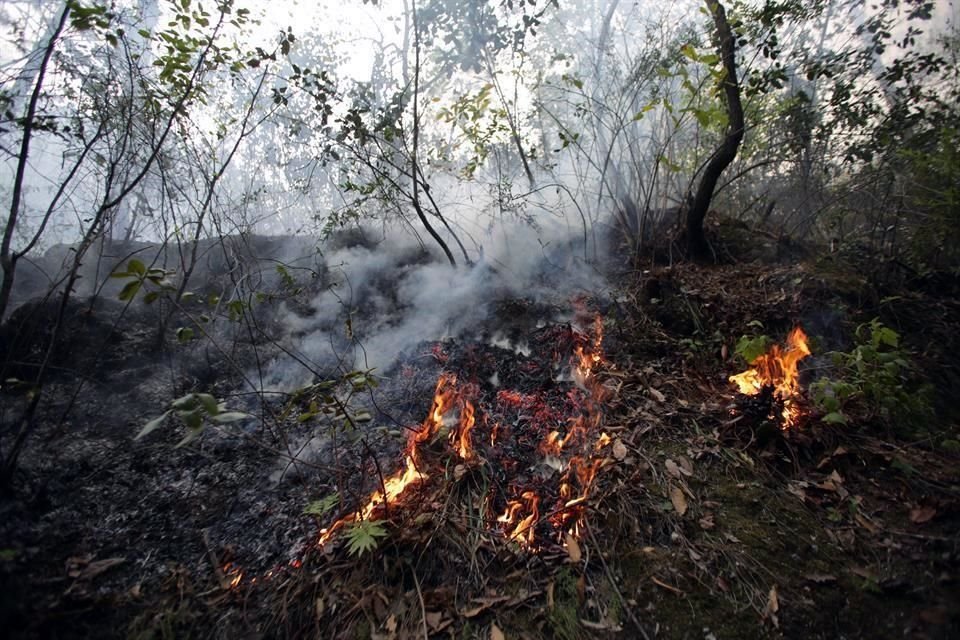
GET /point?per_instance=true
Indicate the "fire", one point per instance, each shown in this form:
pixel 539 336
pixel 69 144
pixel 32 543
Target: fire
pixel 521 516
pixel 394 486
pixel 562 427
pixel 778 369
pixel 461 439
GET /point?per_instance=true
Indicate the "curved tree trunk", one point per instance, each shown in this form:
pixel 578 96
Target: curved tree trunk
pixel 696 240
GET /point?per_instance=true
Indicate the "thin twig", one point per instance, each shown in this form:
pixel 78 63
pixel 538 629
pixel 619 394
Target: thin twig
pixel 423 606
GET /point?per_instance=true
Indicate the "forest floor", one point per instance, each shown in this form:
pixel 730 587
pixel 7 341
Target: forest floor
pixel 703 520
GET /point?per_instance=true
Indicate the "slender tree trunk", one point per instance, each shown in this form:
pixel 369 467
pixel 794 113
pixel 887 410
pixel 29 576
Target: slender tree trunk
pixel 416 141
pixel 8 257
pixel 696 239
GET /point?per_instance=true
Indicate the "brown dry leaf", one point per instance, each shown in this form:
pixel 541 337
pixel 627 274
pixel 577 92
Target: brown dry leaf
pixel 391 624
pixel 724 352
pixel 673 469
pixel 820 578
pixel 573 548
pixel 678 500
pixel 827 485
pixel 707 523
pixel 619 449
pixel 797 489
pixel 495 633
pixel 659 397
pixel 722 584
pixel 773 606
pixel 435 620
pixel 686 466
pixel 922 515
pixel 865 522
pixel 482 604
pixel 94 569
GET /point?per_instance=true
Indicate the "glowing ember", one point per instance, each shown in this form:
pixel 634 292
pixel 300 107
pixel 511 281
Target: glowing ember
pixel 778 369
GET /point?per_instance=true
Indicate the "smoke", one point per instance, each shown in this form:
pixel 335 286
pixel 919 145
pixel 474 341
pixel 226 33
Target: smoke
pixel 385 293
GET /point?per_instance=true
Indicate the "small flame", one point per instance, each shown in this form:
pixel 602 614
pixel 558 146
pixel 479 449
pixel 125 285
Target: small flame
pixel 394 486
pixel 778 369
pixel 521 516
pixel 232 575
pixel 461 439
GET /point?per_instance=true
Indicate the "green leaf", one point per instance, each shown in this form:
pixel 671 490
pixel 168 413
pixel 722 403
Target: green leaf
pixel 129 290
pixel 321 507
pixel 835 417
pixel 192 435
pixel 209 403
pixel 362 536
pixel 752 348
pixel 228 416
pixel 193 419
pixel 151 297
pixel 185 403
pixel 184 334
pixel 152 426
pixel 136 266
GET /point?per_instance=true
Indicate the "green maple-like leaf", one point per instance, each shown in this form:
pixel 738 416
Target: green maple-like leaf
pixel 362 536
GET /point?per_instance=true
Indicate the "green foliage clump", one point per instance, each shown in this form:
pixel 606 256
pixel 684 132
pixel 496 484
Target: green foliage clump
pixel 195 410
pixel 752 348
pixel 875 379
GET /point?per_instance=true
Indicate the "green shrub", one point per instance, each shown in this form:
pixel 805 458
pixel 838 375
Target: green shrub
pixel 875 380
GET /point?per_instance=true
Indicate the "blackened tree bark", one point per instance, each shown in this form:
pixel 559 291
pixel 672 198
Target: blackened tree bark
pixel 721 159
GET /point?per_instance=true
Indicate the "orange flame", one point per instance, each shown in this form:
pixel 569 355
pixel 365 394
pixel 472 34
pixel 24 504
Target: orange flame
pixel 521 517
pixel 461 439
pixel 778 369
pixel 395 485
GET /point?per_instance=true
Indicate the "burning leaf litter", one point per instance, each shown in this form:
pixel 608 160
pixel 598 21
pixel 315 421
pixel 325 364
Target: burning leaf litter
pixel 565 438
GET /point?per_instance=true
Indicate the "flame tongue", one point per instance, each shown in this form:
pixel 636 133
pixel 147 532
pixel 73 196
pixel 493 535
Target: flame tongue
pixel 778 369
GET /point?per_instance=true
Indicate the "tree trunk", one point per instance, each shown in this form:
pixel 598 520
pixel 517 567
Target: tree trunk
pixel 696 240
pixel 9 257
